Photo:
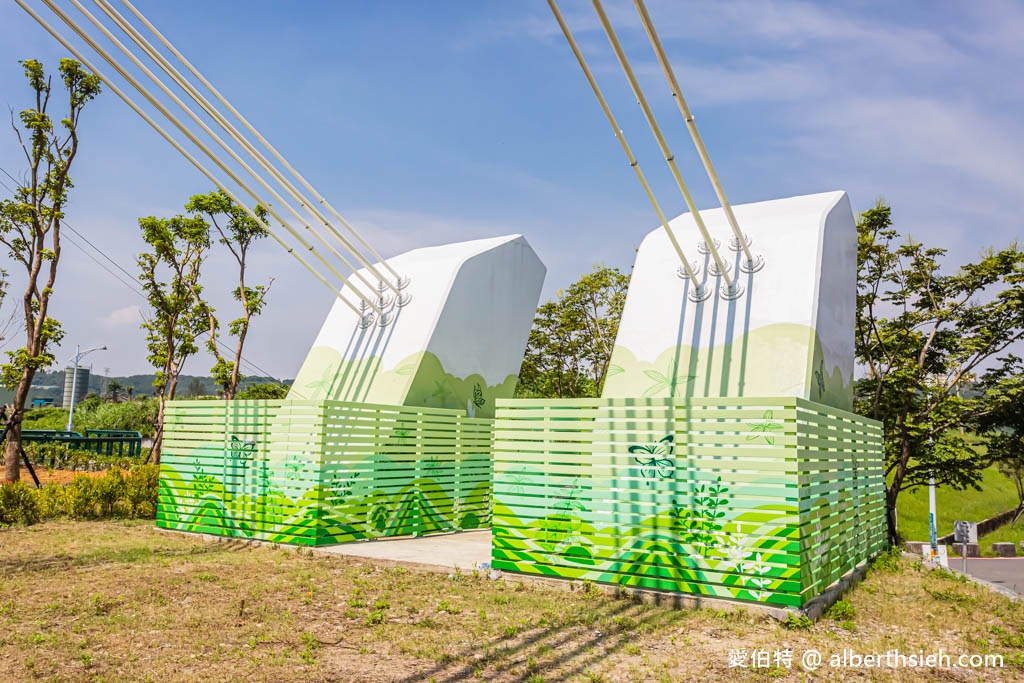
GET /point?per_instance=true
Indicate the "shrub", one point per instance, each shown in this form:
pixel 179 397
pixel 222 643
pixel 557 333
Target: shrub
pixel 109 489
pixel 51 501
pixel 140 490
pixel 18 504
pixel 80 497
pixel 114 493
pixel 842 611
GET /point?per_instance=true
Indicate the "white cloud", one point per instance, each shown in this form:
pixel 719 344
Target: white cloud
pixel 127 317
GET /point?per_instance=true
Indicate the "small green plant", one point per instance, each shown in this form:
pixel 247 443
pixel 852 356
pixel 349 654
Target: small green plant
pixel 445 606
pixel 632 650
pixel 797 623
pixel 376 618
pixel 842 611
pixel 535 678
pixel 889 561
pixel 80 497
pixel 950 596
pixel 109 489
pixel 310 647
pixel 18 504
pixel 511 631
pixel 381 604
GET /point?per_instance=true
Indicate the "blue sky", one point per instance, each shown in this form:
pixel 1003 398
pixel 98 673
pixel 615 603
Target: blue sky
pixel 430 122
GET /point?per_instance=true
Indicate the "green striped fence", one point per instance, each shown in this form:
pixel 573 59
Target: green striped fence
pixel 755 499
pixel 322 472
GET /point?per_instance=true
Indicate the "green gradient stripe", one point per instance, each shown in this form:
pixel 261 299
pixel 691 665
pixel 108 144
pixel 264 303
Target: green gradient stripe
pixel 754 499
pixel 322 472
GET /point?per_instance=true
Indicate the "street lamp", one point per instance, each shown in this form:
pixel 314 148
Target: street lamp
pixel 74 378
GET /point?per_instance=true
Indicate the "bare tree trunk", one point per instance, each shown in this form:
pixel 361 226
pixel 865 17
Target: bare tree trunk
pixel 158 433
pixel 12 450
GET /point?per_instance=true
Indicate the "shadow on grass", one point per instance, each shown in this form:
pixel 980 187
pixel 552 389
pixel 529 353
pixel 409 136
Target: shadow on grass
pixel 563 650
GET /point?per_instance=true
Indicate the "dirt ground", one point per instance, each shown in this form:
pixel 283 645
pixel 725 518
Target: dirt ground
pixel 48 476
pixel 90 601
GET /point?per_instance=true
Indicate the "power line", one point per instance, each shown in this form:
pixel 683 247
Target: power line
pixel 242 360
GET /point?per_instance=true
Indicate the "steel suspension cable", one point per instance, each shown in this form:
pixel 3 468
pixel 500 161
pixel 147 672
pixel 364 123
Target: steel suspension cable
pixel 181 150
pixel 259 137
pixel 138 86
pixel 691 125
pixel 212 111
pixel 662 144
pixel 634 164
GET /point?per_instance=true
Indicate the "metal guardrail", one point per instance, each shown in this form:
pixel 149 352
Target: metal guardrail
pixel 119 442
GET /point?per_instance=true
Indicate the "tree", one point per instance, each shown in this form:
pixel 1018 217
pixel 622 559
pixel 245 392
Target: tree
pixel 237 233
pixel 30 226
pixel 572 337
pixel 1003 425
pixel 920 332
pixel 264 391
pixel 114 390
pixel 170 279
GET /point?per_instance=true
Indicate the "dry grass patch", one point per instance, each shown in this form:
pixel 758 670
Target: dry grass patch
pixel 118 600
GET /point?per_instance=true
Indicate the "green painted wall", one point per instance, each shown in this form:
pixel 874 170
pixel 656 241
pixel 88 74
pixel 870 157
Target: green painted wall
pixel 322 472
pixel 765 500
pixel 418 380
pixel 782 359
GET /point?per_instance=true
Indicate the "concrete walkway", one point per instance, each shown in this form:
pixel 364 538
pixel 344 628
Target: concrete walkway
pixel 464 550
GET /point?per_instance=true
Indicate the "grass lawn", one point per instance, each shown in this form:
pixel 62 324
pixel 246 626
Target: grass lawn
pixel 1004 534
pixel 122 601
pixel 997 494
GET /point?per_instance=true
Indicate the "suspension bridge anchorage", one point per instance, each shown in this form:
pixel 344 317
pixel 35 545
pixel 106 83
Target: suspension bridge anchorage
pixel 684 274
pixel 753 262
pixel 704 248
pixel 731 292
pixel 699 293
pixel 752 266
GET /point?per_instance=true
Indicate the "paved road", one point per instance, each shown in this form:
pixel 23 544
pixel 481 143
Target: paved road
pixel 1007 572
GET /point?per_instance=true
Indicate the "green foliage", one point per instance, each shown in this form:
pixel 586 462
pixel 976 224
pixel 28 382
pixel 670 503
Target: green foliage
pixel 112 495
pixel 889 561
pixel 238 231
pixel 170 279
pixel 263 391
pixel 797 623
pixel 95 413
pixel 140 489
pixel 30 222
pixel 18 504
pixel 842 610
pixel 922 333
pixel 572 338
pixel 997 495
pixel 1003 425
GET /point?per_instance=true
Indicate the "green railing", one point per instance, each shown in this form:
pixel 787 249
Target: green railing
pixel 766 500
pixel 322 472
pixel 113 442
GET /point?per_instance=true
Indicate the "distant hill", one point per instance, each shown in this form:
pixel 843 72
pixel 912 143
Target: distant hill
pixel 51 385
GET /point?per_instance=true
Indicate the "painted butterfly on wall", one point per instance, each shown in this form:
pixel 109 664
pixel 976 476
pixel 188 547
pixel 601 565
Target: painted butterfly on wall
pixel 241 449
pixel 478 396
pixel 655 459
